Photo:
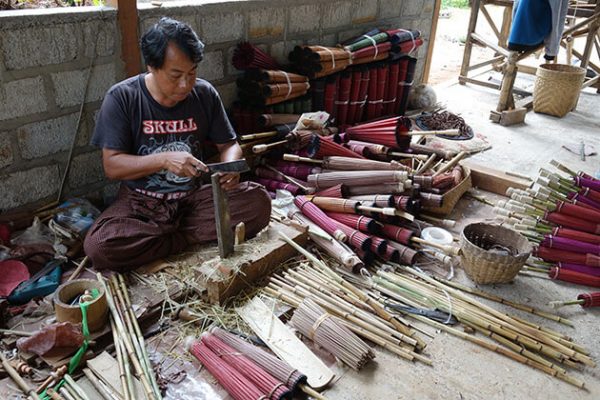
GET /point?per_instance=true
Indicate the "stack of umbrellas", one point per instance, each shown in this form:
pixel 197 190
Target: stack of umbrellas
pixel 561 217
pixel 247 56
pixel 261 87
pixel 319 61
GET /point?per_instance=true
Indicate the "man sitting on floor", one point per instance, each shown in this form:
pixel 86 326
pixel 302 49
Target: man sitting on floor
pixel 152 129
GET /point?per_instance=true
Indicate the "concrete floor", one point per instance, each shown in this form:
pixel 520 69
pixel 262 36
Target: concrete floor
pixel 463 370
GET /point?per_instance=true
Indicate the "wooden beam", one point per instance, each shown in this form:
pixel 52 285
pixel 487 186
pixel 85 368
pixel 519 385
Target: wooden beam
pixel 434 22
pixel 127 18
pixel 493 180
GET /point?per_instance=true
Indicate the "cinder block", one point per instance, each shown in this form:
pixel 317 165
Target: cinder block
pixel 350 33
pixel 364 11
pixel 87 127
pixel 6 151
pixel 85 169
pixel 211 67
pixel 37 46
pixel 69 86
pixel 304 18
pixel 222 28
pixel 46 137
pixel 266 22
pixel 278 52
pixel 412 7
pixel 100 35
pixel 390 8
pixel 427 10
pixel 329 40
pixel 22 97
pixel 27 186
pixel 228 93
pixel 337 14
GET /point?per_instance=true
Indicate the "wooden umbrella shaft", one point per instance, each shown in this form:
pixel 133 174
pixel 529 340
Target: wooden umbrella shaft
pixel 258 135
pixel 447 132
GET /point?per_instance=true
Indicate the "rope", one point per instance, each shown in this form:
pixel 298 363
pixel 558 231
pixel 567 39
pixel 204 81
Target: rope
pixel 289 83
pixel 374 45
pixel 412 38
pixel 331 54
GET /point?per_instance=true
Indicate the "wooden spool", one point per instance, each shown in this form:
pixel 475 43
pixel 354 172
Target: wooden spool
pixel 97 314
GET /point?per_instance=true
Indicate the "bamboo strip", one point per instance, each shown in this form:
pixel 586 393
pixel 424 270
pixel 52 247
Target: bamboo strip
pixel 105 391
pixel 513 304
pixel 123 372
pixel 14 375
pixel 75 387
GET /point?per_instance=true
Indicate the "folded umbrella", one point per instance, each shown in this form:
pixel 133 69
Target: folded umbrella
pixel 574 277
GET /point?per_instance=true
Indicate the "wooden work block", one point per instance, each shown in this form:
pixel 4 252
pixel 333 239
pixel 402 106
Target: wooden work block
pixel 493 180
pixel 509 117
pixel 252 260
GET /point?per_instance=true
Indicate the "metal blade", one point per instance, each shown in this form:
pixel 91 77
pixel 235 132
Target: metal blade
pixel 229 166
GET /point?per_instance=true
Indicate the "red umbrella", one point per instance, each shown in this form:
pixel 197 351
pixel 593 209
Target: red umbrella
pixel 589 193
pixel 320 147
pixel 578 211
pixel 572 222
pixel 397 233
pixel 574 277
pixel 246 56
pixel 590 299
pixel 295 170
pixel 391 132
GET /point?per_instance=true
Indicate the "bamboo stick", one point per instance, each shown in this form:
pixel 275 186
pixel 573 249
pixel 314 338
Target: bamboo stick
pixel 66 394
pixel 140 337
pixel 75 387
pixel 54 394
pixel 513 304
pixel 425 167
pixel 312 392
pixel 126 340
pixel 421 157
pixel 260 135
pixel 105 391
pixel 123 373
pixel 14 375
pixel 446 132
pixel 79 269
pixel 450 164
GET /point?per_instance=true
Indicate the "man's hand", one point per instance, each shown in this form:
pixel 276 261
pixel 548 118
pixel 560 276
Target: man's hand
pixel 182 163
pixel 229 180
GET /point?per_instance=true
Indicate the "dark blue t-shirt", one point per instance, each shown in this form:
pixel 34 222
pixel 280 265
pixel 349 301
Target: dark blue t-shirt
pixel 130 120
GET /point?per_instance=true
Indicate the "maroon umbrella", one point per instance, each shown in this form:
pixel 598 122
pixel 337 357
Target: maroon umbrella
pixel 578 211
pixel 246 56
pixel 572 222
pixel 320 147
pixel 355 238
pixel 589 299
pixel 360 222
pixel 575 246
pixel 391 132
pixel 569 257
pixel 273 185
pixel 398 234
pixel 316 215
pixel 593 184
pixel 584 269
pixel 576 235
pixel 338 191
pixel 378 245
pixel 582 200
pixel 589 193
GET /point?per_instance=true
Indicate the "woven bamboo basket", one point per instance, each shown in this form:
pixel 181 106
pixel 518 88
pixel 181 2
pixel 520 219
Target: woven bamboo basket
pixel 452 196
pixel 483 257
pixel 557 88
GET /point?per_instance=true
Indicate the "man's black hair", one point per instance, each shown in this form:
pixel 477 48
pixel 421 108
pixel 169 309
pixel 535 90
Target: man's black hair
pixel 155 41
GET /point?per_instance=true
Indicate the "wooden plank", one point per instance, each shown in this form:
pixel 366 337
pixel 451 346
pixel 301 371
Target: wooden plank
pixel 222 217
pixel 432 33
pixel 127 19
pixel 284 343
pixel 106 367
pixel 253 260
pixel 493 180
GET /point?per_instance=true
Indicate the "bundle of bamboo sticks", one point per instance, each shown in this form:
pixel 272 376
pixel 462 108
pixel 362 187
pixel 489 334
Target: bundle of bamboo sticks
pixel 265 87
pixel 530 344
pixel 319 61
pixel 130 346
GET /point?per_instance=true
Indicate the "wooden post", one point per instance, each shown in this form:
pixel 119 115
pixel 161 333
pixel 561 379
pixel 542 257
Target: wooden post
pixel 222 218
pixel 464 69
pixel 434 22
pixel 127 19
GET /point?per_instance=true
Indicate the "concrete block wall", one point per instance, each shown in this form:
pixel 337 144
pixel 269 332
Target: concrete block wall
pixel 45 56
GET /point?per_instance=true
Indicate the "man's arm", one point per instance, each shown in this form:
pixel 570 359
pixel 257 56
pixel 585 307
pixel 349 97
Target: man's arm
pixel 122 166
pixel 229 151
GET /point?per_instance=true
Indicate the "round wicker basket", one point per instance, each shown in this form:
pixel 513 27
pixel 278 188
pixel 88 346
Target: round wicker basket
pixel 557 88
pixel 492 253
